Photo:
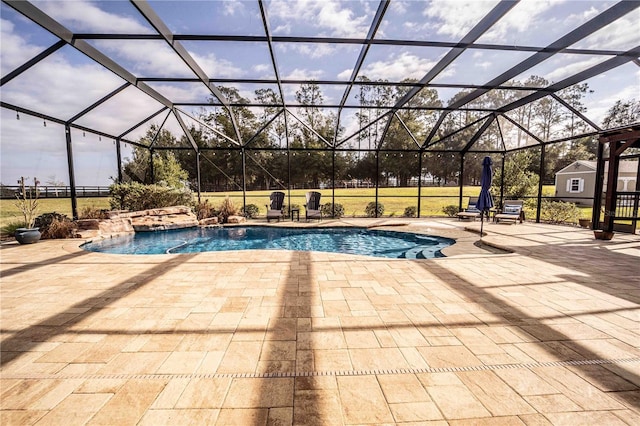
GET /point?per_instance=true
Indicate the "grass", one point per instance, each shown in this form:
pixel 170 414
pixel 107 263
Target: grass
pixel 9 213
pixel 354 201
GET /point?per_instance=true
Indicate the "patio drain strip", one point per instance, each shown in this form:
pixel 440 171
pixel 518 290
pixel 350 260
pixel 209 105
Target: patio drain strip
pixel 294 374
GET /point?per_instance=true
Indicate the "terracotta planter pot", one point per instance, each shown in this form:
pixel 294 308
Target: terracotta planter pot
pixel 603 235
pixel 27 235
pixel 584 223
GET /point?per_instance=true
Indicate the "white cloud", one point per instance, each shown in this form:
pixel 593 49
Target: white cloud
pixel 598 109
pixel 15 50
pixel 183 92
pixel 399 6
pixel 330 16
pixel 59 88
pixel 524 17
pixel 398 68
pixel 457 17
pixel 573 68
pixel 85 16
pixel 134 54
pixel 217 67
pixel 411 26
pixel 231 7
pixel 314 51
pixel 622 34
pixel 261 68
pixel 283 29
pixel 346 74
pixel 576 19
pixel 303 74
pixel 349 121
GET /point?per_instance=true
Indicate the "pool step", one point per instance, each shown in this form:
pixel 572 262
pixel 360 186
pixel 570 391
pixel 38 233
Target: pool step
pixel 414 253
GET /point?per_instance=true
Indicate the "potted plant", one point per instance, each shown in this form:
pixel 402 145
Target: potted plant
pixel 584 222
pixel 27 203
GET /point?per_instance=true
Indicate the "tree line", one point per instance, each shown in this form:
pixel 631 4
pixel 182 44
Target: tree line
pixel 315 159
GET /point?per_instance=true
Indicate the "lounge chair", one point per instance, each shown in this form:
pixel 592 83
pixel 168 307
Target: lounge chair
pixel 471 212
pixel 312 208
pixel 512 210
pixel 274 208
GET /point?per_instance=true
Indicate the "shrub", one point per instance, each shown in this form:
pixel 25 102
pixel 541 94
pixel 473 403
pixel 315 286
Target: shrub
pixel 9 229
pixel 227 208
pixel 46 219
pixel 59 229
pixel 54 225
pixel 374 209
pixel 27 200
pixel 137 196
pixel 204 210
pixel 410 211
pixel 92 212
pixel 451 210
pixel 285 209
pixel 559 212
pixel 332 210
pixel 251 211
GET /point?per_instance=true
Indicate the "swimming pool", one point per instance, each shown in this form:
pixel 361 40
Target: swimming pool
pixel 361 241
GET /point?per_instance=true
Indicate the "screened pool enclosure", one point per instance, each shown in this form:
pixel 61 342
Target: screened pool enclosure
pixel 328 95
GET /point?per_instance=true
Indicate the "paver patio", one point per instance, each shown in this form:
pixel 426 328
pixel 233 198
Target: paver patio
pixel 547 334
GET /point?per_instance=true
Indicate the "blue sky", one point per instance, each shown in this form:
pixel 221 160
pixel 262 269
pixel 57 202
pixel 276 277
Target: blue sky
pixel 67 81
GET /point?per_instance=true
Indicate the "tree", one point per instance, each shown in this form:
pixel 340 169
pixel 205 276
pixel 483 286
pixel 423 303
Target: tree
pixel 519 180
pixel 52 181
pixel 315 165
pixel 167 170
pixel 166 166
pixel 622 113
pixel 573 95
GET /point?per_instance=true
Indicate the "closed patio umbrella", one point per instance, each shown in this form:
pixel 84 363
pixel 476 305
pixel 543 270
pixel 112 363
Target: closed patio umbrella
pixel 485 201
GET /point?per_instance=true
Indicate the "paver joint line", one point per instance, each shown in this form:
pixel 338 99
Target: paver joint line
pixel 295 374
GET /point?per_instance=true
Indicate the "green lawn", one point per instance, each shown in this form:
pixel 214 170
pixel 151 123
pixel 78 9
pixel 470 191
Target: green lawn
pixel 9 213
pixel 354 201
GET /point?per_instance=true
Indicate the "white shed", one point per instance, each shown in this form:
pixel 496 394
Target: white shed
pixel 578 180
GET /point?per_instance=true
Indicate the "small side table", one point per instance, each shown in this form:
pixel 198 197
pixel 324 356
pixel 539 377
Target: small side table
pixel 295 213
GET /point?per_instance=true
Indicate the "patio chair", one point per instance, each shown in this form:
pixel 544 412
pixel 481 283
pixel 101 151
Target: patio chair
pixel 312 208
pixel 512 210
pixel 274 208
pixel 471 212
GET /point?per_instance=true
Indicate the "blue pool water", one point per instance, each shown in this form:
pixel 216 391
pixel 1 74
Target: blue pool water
pixel 336 240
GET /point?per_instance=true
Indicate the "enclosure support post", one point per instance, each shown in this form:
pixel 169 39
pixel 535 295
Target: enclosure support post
pixel 198 173
pixel 461 181
pixel 244 178
pixel 289 178
pixel 419 181
pixel 153 175
pixel 119 159
pixel 333 182
pixel 504 156
pixel 597 195
pixel 377 176
pixel 612 190
pixel 72 178
pixel 541 173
